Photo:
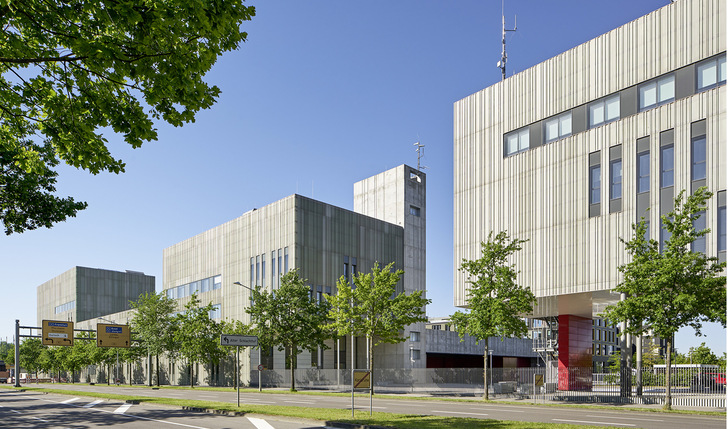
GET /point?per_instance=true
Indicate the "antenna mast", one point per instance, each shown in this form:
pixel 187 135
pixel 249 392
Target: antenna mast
pixel 504 56
pixel 420 153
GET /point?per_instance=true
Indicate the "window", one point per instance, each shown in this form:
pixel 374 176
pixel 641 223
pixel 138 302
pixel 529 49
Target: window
pixel 697 152
pixel 595 184
pixel 170 293
pixel 216 311
pixel 205 285
pixel 643 172
pixel 667 166
pixel 699 224
pixel 414 336
pixel 285 260
pixel 664 236
pixel 257 271
pixel 65 307
pixel 415 211
pixel 262 270
pixel 721 229
pixel 657 92
pixel 558 127
pixel 217 282
pixel 414 354
pixel 517 141
pixel 615 173
pixel 603 111
pixel 273 279
pixel 647 230
pixel 252 272
pixel 711 73
pixel 194 287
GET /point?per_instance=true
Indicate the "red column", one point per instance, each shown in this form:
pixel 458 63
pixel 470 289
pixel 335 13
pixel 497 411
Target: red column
pixel 575 352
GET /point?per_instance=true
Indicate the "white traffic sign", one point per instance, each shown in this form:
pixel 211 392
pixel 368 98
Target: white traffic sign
pixel 239 340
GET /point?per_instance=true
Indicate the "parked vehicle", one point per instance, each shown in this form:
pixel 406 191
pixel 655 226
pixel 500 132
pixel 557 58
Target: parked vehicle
pixel 708 380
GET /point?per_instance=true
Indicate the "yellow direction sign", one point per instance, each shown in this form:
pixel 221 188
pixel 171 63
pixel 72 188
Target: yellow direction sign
pixel 57 333
pixel 362 379
pixel 113 335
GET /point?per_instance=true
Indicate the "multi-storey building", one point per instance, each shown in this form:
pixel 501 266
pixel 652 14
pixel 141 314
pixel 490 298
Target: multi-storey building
pixel 323 243
pixel 572 151
pixel 87 293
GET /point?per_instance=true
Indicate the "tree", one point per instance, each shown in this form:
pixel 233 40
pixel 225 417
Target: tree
pixel 153 323
pixel 30 351
pixel 372 307
pixel 677 287
pixel 496 302
pixel 703 355
pixel 290 319
pixel 71 70
pixel 197 336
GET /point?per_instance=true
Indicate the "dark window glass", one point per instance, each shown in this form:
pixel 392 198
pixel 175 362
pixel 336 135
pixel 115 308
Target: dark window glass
pixel 699 224
pixel 615 186
pixel 667 166
pixel 698 158
pixel 643 172
pixel 721 228
pixel 595 184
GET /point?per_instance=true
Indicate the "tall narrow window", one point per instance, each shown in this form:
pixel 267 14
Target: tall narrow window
pixel 615 185
pixel 657 92
pixel 346 270
pixel 595 184
pixel 262 270
pixel 664 236
pixel 667 166
pixel 643 172
pixel 699 224
pixel 721 229
pixel 698 158
pixel 252 272
pixel 603 111
pixel 257 271
pixel 273 278
pixel 285 260
pixel 517 141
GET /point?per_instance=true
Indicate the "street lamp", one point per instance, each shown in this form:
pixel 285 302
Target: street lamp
pixel 116 369
pixel 260 354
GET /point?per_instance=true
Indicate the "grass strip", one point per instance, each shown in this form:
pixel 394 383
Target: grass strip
pixel 390 420
pixel 393 396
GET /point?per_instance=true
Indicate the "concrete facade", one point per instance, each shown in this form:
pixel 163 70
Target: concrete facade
pixel 572 151
pixel 86 293
pixel 541 191
pixel 322 241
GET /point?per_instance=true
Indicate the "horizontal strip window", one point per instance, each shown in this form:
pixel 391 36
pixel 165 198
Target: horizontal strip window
pixel 200 286
pixel 711 73
pixel 657 92
pixel 517 141
pixel 558 127
pixel 66 307
pixel 604 111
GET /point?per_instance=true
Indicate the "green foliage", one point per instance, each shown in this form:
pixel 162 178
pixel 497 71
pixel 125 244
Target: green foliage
pixel 197 336
pixel 30 351
pixel 69 70
pixel 674 288
pixel 703 355
pixel 496 302
pixel 289 318
pixel 7 353
pixel 371 307
pixel 153 323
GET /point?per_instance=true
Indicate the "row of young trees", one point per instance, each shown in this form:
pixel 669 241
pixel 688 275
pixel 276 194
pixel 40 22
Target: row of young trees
pixel 290 318
pixel 666 289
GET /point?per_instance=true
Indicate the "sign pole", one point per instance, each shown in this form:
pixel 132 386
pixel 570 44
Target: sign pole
pixel 17 352
pixel 352 393
pixel 237 372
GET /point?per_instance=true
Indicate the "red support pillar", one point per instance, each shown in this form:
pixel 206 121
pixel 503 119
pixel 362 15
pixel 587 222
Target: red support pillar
pixel 575 352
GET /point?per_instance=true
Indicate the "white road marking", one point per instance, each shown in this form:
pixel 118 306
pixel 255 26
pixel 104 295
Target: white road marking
pixel 260 423
pixel 592 423
pixel 626 418
pixel 122 409
pixel 15 411
pixel 299 402
pixel 459 412
pixel 68 401
pixel 91 404
pixel 44 421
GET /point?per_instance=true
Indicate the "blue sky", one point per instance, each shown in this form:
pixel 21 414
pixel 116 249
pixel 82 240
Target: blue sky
pixel 322 95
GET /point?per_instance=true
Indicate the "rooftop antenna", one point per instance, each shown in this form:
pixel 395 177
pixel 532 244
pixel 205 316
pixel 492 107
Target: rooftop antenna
pixel 420 153
pixel 504 56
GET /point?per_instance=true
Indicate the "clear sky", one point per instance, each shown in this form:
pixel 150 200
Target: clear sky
pixel 322 95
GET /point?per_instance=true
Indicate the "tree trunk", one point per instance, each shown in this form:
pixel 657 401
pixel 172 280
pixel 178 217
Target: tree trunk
pixel 485 371
pixel 668 395
pixel 292 362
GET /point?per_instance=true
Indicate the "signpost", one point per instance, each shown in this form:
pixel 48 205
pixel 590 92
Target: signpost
pixel 240 341
pixel 537 382
pixel 361 379
pixel 57 333
pixel 113 335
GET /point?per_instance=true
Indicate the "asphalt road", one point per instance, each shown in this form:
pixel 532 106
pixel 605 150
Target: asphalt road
pixel 39 410
pixel 402 405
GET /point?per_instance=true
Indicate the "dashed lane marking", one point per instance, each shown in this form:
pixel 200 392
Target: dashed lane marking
pixel 94 403
pixel 122 409
pixel 260 423
pixel 68 401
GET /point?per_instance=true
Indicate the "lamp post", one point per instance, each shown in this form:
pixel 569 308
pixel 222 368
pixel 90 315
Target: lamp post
pixel 116 369
pixel 260 354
